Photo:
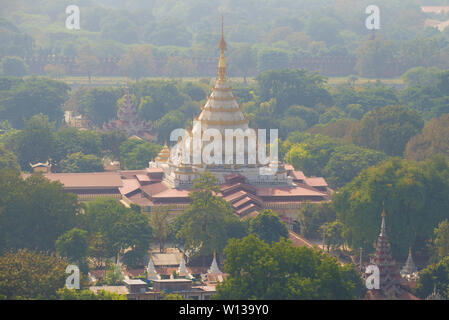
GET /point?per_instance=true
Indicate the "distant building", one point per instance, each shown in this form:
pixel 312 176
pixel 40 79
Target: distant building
pixel 156 287
pixel 41 167
pixel 390 282
pixel 409 271
pixel 129 122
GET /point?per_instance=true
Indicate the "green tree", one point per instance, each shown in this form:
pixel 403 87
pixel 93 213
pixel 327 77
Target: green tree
pixel 409 190
pixel 441 241
pixel 35 142
pixel 159 225
pixel 136 153
pixel 434 277
pixel 312 155
pixel 73 244
pixel 282 271
pixel 113 275
pixel 121 228
pixel 387 129
pixel 35 212
pixel 433 140
pixel 99 104
pixel 111 141
pixel 33 96
pixel 293 87
pixel 204 225
pixel 333 233
pixel 27 274
pixel 79 162
pixel 347 161
pixel 69 140
pixel 268 227
pixel 14 66
pixel 170 121
pixel 312 216
pixel 8 159
pixel 71 294
pixel 98 249
pixel 420 76
pixel 172 296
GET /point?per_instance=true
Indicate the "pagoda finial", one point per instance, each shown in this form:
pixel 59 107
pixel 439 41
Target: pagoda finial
pixel 222 61
pixel 382 228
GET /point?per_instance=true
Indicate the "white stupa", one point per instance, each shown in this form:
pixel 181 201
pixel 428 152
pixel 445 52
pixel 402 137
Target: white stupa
pixel 151 270
pixel 214 267
pixel 182 270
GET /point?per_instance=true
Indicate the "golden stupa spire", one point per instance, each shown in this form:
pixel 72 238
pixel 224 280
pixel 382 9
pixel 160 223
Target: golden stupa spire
pixel 222 61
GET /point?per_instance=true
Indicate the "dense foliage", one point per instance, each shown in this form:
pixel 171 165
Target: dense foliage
pixel 258 270
pixel 414 197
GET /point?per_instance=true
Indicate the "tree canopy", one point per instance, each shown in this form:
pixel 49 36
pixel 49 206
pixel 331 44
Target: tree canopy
pixel 414 197
pixel 258 270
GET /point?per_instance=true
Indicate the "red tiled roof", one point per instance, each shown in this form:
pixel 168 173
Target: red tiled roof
pixel 140 200
pixel 172 193
pixel 86 180
pixel 143 177
pixel 298 175
pixel 154 188
pixel 129 185
pixel 246 209
pixel 287 191
pixel 316 182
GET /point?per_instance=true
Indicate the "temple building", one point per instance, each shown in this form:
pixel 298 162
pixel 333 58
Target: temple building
pixel 167 181
pixel 391 285
pixel 409 271
pixel 129 121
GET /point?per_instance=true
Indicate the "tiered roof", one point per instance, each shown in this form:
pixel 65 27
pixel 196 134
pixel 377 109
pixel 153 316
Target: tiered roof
pixel 221 110
pixel 164 154
pixel 390 279
pixel 129 121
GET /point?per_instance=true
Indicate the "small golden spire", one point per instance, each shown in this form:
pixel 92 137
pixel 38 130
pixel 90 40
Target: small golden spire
pixel 383 213
pixel 222 61
pixel 215 254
